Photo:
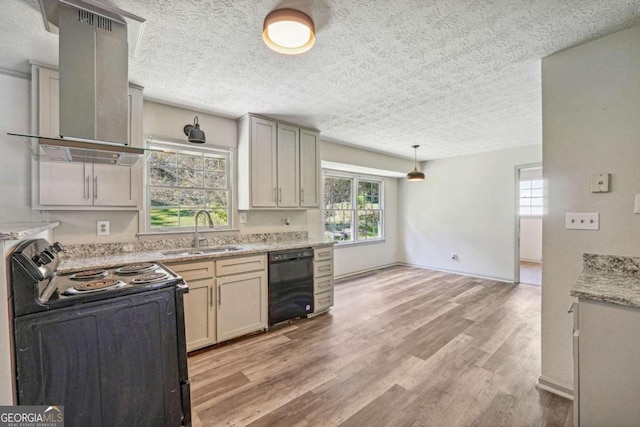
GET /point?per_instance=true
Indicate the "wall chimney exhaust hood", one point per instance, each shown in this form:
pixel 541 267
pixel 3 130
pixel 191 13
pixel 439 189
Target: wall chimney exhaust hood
pixel 94 83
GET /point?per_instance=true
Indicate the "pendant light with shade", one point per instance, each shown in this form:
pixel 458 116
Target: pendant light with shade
pixel 288 31
pixel 415 174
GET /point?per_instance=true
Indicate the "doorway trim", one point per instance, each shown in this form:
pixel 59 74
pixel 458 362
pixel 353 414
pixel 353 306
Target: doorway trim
pixel 516 193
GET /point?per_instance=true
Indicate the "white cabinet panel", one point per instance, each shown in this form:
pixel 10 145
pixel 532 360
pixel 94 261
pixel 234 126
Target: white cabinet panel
pixel 309 169
pixel 288 166
pixel 264 184
pixel 199 302
pixel 63 183
pixel 112 185
pixel 242 304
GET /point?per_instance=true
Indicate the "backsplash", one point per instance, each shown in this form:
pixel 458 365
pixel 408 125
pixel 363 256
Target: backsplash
pixel 90 250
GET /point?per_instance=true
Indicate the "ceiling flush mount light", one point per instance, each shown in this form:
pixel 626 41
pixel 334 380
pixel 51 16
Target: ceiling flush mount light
pixel 415 174
pixel 194 133
pixel 288 31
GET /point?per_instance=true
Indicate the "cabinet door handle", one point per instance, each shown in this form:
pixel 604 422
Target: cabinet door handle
pixel 275 197
pixel 280 199
pixel 86 186
pixel 211 296
pixel 95 187
pixel 219 296
pixel 302 194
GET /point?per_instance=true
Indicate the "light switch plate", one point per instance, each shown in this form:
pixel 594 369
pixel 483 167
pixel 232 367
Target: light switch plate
pixel 600 183
pixel 636 206
pixel 582 221
pixel 243 217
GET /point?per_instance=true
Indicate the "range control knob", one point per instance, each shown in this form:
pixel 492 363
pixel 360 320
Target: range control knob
pixel 57 247
pixel 39 261
pixel 48 255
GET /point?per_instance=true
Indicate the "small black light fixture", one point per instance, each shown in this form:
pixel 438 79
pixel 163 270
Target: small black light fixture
pixel 415 174
pixel 194 133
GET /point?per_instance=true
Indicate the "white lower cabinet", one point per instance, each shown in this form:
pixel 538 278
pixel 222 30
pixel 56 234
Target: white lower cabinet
pixel 322 279
pixel 199 302
pixel 607 345
pixel 242 296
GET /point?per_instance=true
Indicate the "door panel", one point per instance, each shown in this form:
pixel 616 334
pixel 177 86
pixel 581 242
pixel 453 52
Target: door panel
pixel 288 166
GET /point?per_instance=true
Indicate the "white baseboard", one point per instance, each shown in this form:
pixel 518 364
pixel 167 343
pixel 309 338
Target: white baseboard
pixel 552 386
pixel 366 270
pixel 479 276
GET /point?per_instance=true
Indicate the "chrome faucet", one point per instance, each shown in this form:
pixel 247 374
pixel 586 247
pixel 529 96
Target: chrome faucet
pixel 198 238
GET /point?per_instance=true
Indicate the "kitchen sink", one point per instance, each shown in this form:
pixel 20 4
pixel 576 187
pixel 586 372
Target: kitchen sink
pixel 202 251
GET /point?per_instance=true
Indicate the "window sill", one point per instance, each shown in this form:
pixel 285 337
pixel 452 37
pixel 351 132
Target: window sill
pixel 204 231
pixel 358 243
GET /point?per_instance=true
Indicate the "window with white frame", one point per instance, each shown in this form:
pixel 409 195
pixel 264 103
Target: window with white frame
pixel 531 197
pixel 353 208
pixel 181 180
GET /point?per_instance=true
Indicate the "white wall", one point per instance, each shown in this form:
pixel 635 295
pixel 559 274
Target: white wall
pixel 591 124
pixel 466 205
pixel 15 163
pixel 531 239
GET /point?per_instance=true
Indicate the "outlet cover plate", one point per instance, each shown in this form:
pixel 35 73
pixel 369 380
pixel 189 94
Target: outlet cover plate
pixel 582 221
pixel 102 228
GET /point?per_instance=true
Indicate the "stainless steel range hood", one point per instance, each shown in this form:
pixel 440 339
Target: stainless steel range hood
pixel 94 82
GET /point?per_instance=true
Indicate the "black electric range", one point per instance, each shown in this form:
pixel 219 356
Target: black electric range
pixel 107 344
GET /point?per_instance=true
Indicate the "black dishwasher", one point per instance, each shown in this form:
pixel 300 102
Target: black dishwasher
pixel 290 284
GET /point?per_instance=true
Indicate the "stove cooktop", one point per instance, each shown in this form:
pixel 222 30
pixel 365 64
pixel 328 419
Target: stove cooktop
pixel 105 282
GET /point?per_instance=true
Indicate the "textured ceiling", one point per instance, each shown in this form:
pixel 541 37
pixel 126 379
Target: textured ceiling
pixel 455 76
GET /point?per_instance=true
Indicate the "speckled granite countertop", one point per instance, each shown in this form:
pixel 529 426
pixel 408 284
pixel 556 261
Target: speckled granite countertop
pixel 109 261
pixel 24 230
pixel 609 278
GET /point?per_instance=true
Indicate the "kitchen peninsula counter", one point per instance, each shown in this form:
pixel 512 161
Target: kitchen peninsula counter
pixel 24 230
pixel 609 278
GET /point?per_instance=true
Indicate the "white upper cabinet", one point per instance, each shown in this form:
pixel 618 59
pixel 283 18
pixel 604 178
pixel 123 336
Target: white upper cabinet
pixel 309 169
pixel 264 163
pixel 278 165
pixel 288 166
pixel 83 186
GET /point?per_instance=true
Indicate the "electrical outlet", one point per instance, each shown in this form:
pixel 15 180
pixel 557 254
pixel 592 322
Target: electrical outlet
pixel 454 255
pixel 286 222
pixel 102 228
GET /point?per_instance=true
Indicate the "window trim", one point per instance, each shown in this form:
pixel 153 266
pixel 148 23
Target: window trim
pixel 145 216
pixel 355 178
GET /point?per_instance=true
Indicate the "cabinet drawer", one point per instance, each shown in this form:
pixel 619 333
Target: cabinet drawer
pixel 241 265
pixel 321 254
pixel 194 270
pixel 322 284
pixel 323 301
pixel 323 268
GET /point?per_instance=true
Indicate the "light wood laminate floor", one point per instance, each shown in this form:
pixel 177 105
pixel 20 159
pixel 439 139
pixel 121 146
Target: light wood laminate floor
pixel 531 273
pixel 402 347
